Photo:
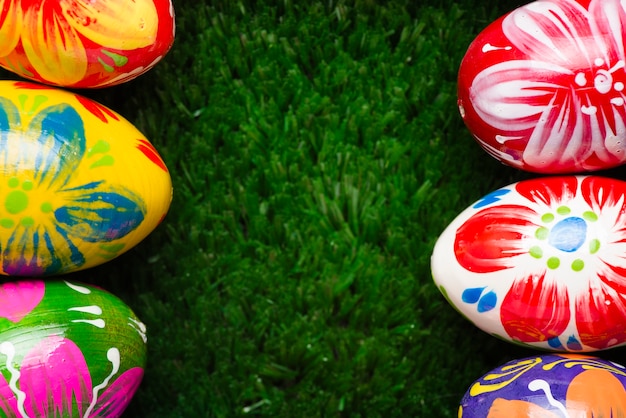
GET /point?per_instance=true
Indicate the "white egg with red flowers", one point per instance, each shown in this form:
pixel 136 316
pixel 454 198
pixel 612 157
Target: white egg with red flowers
pixel 541 263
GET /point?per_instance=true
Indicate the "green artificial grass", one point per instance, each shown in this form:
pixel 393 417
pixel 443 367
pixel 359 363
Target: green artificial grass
pixel 317 153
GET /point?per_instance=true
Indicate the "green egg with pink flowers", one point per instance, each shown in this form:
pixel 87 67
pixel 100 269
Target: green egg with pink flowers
pixel 67 349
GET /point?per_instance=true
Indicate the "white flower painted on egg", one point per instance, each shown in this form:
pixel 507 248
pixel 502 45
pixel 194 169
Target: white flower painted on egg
pixel 552 97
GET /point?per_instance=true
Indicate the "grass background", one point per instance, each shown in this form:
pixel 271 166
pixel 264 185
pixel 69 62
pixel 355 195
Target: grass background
pixel 316 153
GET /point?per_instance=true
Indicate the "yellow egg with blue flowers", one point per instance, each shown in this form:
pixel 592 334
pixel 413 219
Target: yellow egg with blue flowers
pixel 79 184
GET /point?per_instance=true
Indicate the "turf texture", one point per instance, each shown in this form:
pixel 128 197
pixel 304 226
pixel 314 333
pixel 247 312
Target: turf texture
pixel 316 153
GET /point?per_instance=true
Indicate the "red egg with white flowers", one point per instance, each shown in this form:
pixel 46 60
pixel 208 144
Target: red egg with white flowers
pixel 542 88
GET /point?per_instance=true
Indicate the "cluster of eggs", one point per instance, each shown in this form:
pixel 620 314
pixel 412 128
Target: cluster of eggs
pixel 542 262
pixel 79 185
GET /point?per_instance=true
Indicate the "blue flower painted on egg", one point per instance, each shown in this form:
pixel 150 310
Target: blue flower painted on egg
pixel 45 208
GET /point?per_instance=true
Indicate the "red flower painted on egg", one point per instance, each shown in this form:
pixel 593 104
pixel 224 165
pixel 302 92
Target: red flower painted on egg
pixel 564 242
pixel 543 89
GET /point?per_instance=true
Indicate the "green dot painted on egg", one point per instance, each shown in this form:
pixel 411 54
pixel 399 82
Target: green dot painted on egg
pixel 553 263
pixel 563 210
pixel 113 248
pixel 547 218
pixel 590 216
pixel 107 160
pixel 542 233
pixel 100 147
pixel 27 221
pixel 16 202
pixel 107 67
pixel 23 98
pixel 27 185
pixel 46 207
pixel 578 265
pixel 7 223
pixel 594 246
pixel 118 59
pixel 107 256
pixel 13 182
pixel 536 252
pixel 38 101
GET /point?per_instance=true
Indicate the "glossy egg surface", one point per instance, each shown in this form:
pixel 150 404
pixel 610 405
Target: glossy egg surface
pixel 543 88
pixel 84 43
pixel 548 386
pixel 79 184
pixel 67 349
pixel 541 262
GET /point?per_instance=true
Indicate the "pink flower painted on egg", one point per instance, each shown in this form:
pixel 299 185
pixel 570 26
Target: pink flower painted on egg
pixel 565 247
pixel 551 97
pixel 18 299
pixel 54 380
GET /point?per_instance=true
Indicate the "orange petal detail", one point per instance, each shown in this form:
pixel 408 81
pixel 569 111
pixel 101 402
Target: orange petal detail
pixel 502 408
pixel 52 45
pixel 596 393
pixel 10 13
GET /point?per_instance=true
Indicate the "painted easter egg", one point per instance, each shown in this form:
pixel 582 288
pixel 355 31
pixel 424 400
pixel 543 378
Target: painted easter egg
pixel 67 349
pixel 79 184
pixel 541 262
pixel 84 43
pixel 548 386
pixel 542 88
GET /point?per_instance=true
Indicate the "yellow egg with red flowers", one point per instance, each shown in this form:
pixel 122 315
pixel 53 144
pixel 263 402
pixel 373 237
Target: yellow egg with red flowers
pixel 84 43
pixel 79 184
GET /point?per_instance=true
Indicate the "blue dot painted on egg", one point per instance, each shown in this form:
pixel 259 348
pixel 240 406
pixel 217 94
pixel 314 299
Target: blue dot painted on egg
pixel 569 234
pixel 492 197
pixel 472 295
pixel 555 343
pixel 487 302
pixel 573 344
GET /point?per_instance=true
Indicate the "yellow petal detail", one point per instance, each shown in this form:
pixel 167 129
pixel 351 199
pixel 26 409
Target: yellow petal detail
pixel 53 46
pixel 114 24
pixel 10 25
